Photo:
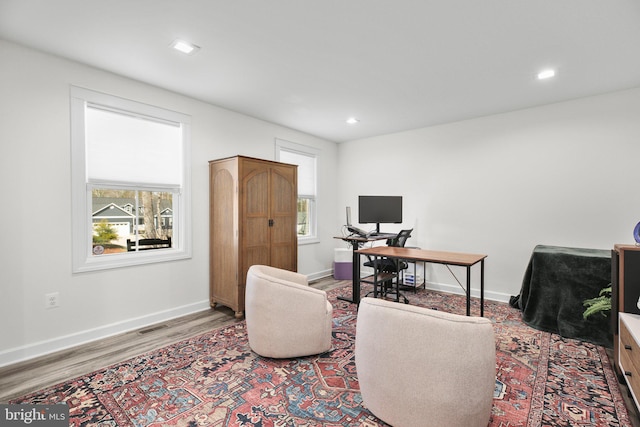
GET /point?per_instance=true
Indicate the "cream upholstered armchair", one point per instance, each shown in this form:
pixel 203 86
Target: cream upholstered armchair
pixel 285 316
pixel 424 368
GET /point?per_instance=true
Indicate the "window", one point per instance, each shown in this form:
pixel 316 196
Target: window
pixel 306 158
pixel 130 182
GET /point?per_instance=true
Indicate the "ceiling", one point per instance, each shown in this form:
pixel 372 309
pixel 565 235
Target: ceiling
pixel 309 65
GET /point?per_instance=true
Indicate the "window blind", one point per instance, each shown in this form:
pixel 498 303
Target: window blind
pixel 306 171
pixel 132 148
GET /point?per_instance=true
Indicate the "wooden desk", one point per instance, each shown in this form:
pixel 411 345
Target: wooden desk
pixel 421 255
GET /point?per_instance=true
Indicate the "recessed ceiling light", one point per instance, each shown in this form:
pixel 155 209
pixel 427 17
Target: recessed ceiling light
pixel 185 47
pixel 546 74
pixel 352 120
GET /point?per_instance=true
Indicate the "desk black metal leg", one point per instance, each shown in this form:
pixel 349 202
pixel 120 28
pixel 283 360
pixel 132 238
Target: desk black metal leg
pixel 356 277
pixel 482 288
pixel 469 290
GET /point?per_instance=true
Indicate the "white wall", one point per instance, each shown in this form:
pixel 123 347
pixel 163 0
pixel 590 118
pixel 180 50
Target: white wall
pixel 35 255
pixel 564 174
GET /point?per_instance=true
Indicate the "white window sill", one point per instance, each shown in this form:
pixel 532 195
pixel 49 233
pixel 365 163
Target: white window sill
pixel 307 240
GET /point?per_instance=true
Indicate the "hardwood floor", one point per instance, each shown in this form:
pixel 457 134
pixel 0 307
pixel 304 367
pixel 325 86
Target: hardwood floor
pixel 25 377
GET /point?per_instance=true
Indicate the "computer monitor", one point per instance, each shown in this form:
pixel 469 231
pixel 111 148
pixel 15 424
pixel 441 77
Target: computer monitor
pixel 379 210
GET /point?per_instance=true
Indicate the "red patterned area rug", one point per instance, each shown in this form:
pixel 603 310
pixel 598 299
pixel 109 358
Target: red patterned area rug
pixel 216 380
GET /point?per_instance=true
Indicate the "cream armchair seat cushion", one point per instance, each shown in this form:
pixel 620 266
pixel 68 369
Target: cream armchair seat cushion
pixel 424 368
pixel 285 316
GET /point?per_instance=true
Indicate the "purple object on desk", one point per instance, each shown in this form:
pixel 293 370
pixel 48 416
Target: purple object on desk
pixel 636 233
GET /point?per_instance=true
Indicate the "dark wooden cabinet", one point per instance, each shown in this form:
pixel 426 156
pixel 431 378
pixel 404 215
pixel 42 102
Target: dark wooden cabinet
pixel 252 220
pixel 625 287
pixel 628 362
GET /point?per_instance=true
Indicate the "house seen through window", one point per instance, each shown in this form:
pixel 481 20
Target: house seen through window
pixel 124 218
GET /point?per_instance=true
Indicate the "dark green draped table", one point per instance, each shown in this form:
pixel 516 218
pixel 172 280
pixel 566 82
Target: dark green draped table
pixel 556 283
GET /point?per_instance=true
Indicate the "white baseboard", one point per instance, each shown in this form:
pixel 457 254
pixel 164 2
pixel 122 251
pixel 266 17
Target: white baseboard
pixel 453 289
pixel 42 348
pixel 319 275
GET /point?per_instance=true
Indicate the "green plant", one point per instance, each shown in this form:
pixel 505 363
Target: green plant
pixel 104 233
pixel 601 304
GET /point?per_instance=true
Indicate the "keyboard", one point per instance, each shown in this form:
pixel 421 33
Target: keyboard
pixel 383 235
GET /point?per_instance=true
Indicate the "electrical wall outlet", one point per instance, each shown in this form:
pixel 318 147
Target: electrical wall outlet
pixel 52 300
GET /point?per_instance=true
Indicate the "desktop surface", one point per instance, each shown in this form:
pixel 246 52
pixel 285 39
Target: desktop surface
pixel 442 257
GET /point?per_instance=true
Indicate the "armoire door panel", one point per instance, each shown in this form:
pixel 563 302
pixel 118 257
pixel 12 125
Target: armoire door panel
pixel 284 192
pixel 254 256
pixel 256 232
pixel 283 230
pixel 284 243
pixel 283 257
pixel 256 194
pixel 255 188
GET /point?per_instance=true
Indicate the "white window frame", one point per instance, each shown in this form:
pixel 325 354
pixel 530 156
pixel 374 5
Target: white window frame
pixel 292 147
pixel 81 196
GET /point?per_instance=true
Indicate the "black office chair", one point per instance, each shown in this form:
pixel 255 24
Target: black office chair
pixel 387 265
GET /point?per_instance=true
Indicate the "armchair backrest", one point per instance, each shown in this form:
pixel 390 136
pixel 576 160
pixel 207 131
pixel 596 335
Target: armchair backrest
pixel 285 316
pixel 439 360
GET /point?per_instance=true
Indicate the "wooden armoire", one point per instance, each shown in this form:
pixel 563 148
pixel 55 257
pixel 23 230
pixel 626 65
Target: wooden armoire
pixel 252 220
